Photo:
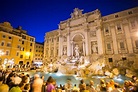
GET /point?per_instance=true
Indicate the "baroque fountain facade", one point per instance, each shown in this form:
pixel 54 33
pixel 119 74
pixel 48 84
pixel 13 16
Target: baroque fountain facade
pixel 88 43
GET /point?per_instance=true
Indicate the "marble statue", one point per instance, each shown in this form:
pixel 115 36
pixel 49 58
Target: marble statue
pixel 76 51
pixel 64 51
pixel 94 48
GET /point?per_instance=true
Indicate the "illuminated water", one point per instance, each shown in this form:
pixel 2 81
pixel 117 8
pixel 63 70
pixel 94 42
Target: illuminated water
pixel 62 79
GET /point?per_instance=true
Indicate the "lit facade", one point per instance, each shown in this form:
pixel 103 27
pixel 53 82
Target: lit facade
pixel 111 38
pixel 16 44
pixel 38 53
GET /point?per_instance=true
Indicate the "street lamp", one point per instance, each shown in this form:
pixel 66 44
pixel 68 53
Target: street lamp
pixel 1 53
pixel 27 55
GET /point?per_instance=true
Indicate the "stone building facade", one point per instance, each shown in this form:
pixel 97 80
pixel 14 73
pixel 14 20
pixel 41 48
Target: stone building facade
pixel 16 45
pixel 38 53
pixel 111 38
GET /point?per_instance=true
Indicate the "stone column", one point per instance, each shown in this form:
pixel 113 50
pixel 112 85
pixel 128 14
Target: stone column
pixel 128 38
pixel 60 46
pixel 114 40
pixel 45 47
pixel 83 48
pixel 68 45
pixel 99 40
pixel 87 42
pixel 71 48
pixel 49 48
pixel 54 47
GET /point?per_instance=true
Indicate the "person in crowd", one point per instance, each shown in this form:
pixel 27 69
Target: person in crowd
pixel 51 85
pixel 16 81
pixel 44 83
pixel 26 88
pixel 102 85
pixel 82 85
pixel 75 88
pixel 126 86
pixel 108 87
pixel 28 76
pixel 91 86
pixel 112 84
pixel 49 78
pixel 9 79
pixel 134 78
pixel 68 85
pixel 37 84
pixel 3 87
pixel 24 82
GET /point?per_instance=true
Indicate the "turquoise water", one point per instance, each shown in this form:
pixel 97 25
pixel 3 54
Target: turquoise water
pixel 62 78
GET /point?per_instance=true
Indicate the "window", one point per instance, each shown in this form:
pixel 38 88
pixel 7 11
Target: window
pixel 122 46
pixel 17 53
pixel 21 56
pixel 30 50
pixel 116 16
pixel 30 44
pixel 22 42
pixel 22 49
pixel 118 26
pixel 8 44
pixel 2 43
pixel 108 46
pixel 130 12
pixel 18 46
pixel 133 25
pixel 136 43
pixel 10 37
pixel 7 53
pixel 23 36
pixel 4 36
pixel 110 59
pixel 106 30
pixel 32 39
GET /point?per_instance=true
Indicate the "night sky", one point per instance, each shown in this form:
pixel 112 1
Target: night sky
pixel 41 16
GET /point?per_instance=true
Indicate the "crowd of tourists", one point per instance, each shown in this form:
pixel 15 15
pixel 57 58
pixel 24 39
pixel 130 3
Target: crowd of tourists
pixel 19 82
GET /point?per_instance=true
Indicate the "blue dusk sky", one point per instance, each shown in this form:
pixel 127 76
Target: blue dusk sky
pixel 41 16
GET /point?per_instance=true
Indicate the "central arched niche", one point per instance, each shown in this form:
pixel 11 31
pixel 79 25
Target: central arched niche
pixel 78 40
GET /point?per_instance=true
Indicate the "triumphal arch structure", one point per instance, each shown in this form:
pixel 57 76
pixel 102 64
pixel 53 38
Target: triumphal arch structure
pixel 77 36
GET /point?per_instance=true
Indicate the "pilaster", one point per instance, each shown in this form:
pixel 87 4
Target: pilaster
pixel 99 40
pixel 115 47
pixel 128 38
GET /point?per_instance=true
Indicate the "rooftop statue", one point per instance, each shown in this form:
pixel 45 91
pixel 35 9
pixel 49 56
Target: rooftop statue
pixel 77 13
